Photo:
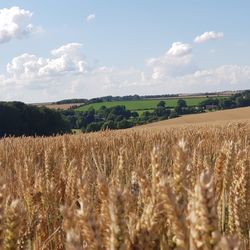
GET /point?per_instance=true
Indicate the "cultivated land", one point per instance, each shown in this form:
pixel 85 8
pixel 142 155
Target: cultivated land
pixel 216 117
pixel 178 184
pixel 179 188
pixel 58 106
pixel 146 104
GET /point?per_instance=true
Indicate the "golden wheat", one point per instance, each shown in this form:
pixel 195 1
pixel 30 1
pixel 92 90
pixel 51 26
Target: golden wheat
pixel 184 188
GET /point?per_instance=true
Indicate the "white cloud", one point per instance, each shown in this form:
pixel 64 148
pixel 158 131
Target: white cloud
pixel 66 74
pixel 175 62
pixel 25 66
pixel 64 60
pixel 91 17
pixel 15 24
pixel 71 48
pixel 176 72
pixel 209 35
pixel 225 75
pixel 179 49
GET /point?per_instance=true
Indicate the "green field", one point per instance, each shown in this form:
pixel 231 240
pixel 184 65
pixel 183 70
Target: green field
pixel 142 105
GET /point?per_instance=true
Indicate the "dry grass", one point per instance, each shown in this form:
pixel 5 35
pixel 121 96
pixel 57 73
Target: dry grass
pixel 59 106
pixel 186 188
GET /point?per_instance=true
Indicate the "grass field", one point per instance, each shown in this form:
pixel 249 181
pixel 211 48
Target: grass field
pixel 142 105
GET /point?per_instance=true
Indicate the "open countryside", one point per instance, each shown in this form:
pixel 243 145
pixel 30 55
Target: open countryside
pixel 207 119
pixel 146 104
pixel 124 125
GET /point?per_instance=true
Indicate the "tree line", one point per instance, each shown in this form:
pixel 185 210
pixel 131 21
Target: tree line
pixel 111 98
pixel 118 117
pixel 17 119
pixel 235 101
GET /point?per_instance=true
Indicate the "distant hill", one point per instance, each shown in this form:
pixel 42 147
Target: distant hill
pixel 84 104
pixel 111 98
pixel 224 116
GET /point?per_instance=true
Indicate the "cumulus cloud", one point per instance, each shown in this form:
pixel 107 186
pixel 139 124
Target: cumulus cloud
pixel 15 24
pixel 179 49
pixel 71 48
pixel 91 17
pixel 209 35
pixel 64 60
pixel 176 72
pixel 175 62
pixel 25 66
pixel 66 74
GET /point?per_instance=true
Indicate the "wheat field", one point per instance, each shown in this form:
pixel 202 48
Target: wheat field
pixel 185 188
pixel 210 118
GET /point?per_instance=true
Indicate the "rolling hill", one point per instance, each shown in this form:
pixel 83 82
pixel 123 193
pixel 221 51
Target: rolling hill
pixel 224 116
pixel 146 104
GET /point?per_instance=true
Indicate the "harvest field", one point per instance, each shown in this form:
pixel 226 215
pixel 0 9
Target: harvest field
pixel 209 118
pixel 58 106
pixel 178 188
pixel 124 125
pixel 146 104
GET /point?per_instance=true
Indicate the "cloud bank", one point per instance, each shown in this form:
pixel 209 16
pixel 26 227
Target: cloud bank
pixel 67 74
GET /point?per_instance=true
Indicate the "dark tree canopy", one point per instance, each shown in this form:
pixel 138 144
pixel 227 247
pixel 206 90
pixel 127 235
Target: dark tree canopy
pixel 17 119
pixel 181 103
pixel 161 104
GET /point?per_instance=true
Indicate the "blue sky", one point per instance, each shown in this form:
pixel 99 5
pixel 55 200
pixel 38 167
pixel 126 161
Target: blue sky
pixel 124 47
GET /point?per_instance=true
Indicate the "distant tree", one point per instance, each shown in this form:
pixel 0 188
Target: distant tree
pixel 18 119
pixel 161 104
pixel 242 101
pixel 94 127
pixel 178 110
pixel 161 110
pixel 124 124
pixel 108 125
pixel 86 118
pixel 119 118
pixel 226 103
pixel 181 103
pixel 120 110
pixel 111 117
pixel 134 114
pixel 209 101
pixel 146 114
pixel 173 114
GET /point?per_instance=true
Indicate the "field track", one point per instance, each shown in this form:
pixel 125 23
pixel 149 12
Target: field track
pixel 220 117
